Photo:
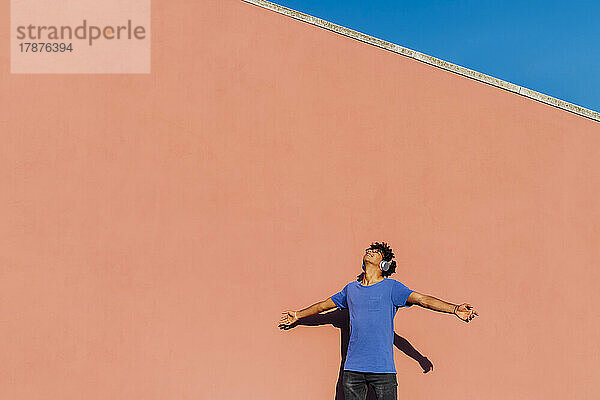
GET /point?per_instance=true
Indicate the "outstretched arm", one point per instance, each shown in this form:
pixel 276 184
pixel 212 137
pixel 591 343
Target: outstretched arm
pixel 464 311
pixel 288 317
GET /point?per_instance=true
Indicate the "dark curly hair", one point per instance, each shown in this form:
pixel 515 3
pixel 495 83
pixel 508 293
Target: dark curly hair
pixel 388 254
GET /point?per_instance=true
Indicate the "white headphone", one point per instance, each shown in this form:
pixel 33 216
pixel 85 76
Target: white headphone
pixel 383 265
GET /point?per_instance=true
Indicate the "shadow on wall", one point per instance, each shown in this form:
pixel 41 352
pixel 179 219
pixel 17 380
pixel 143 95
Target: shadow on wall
pixel 341 320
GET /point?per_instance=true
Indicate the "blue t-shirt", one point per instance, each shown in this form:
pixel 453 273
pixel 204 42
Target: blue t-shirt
pixel 372 310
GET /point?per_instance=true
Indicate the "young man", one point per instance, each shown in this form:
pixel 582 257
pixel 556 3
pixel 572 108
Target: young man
pixel 372 301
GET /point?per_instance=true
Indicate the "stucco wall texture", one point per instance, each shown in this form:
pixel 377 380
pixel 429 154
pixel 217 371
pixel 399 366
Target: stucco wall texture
pixel 155 226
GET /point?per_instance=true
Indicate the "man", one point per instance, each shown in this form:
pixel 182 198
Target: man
pixel 372 301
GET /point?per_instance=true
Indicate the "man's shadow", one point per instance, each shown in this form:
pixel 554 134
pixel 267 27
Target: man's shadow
pixel 341 320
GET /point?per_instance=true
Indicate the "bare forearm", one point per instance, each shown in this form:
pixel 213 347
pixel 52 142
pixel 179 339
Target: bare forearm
pixel 314 309
pixel 436 304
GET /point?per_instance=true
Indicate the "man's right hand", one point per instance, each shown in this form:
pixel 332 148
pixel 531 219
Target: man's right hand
pixel 288 317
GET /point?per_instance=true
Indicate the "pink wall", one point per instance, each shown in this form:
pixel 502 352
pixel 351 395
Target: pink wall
pixel 155 226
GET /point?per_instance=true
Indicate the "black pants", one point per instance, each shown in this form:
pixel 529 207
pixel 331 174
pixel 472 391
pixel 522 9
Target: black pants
pixel 355 385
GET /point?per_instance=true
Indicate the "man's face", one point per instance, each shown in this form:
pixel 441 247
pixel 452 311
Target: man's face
pixel 373 256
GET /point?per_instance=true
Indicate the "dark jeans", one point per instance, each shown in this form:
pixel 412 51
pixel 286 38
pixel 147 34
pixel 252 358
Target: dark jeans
pixel 355 385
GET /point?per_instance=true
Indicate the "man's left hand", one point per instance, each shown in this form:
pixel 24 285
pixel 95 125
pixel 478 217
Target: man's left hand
pixel 466 312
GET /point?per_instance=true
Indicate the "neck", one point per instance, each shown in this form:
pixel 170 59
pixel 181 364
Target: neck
pixel 372 274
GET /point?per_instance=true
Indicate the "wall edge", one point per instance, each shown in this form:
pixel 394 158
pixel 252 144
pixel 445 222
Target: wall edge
pixel 436 62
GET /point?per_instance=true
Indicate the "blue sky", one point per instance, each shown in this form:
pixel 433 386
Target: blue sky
pixel 550 46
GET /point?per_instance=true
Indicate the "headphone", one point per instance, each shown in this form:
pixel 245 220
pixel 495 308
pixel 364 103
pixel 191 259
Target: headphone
pixel 383 265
